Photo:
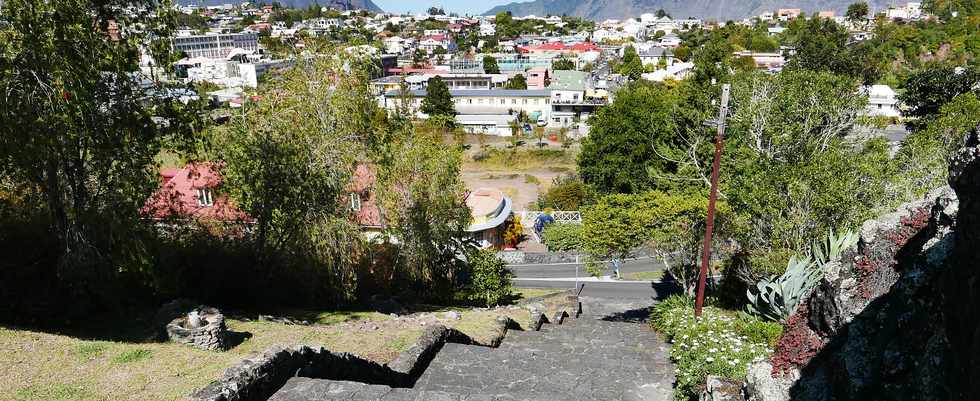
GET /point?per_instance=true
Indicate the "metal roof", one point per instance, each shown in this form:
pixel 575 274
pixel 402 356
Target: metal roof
pixel 483 93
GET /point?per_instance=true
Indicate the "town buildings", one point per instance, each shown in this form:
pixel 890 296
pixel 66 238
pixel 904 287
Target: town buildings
pixel 216 45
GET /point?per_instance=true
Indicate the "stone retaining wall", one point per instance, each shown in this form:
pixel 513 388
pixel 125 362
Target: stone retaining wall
pixel 257 379
pixel 521 257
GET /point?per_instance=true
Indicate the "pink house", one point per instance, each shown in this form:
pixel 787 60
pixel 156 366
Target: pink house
pixel 192 192
pixel 537 78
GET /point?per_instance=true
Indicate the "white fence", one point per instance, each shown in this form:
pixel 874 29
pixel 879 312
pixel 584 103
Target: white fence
pixel 561 217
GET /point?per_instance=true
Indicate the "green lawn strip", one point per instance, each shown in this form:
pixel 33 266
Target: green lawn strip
pixel 645 276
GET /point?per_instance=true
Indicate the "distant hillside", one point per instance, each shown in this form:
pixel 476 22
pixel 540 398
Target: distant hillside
pixel 338 4
pixel 720 10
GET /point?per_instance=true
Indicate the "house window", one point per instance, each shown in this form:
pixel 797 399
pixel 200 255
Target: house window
pixel 513 101
pixel 503 101
pixel 469 101
pixel 204 197
pixel 355 201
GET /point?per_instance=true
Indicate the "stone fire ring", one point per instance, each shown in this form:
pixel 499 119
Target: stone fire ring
pixel 210 335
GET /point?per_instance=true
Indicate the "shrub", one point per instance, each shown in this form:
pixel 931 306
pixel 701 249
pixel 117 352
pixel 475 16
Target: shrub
pixel 490 279
pixel 568 192
pixel 720 343
pixel 562 237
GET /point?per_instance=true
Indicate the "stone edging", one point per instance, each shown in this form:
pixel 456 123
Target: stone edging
pixel 257 379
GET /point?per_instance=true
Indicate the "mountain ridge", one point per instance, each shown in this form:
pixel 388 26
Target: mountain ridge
pixel 719 10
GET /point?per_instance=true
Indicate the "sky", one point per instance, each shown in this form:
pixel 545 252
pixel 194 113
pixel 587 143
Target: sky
pixel 461 7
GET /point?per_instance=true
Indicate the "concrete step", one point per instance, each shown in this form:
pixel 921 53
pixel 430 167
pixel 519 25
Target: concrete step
pixel 306 389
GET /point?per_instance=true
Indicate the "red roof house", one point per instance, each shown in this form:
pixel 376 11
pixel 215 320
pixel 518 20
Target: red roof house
pixel 191 192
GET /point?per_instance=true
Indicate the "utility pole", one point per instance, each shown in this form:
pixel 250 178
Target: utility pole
pixel 710 223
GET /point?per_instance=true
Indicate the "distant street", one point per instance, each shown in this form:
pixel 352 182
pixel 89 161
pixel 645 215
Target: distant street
pixel 563 276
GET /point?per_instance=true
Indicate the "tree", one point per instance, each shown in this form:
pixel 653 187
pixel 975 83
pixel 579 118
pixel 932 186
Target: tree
pixel 926 91
pixel 567 192
pixel 790 172
pixel 822 45
pixel 490 281
pixel 671 226
pixel 923 158
pixel 438 101
pixel 857 12
pixel 490 65
pixel 517 82
pixel 289 158
pixel 563 64
pixel 632 66
pixel 426 215
pixel 620 147
pixel 436 11
pixel 661 13
pixel 82 124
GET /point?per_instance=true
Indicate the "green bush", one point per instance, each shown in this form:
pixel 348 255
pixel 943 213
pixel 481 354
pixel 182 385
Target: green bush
pixel 568 192
pixel 490 280
pixel 721 342
pixel 562 237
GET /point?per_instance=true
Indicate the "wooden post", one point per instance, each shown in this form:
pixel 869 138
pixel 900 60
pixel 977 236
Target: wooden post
pixel 710 223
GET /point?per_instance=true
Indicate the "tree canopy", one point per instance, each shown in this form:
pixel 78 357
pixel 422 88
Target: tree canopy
pixel 438 101
pixel 490 65
pixel 620 148
pixel 517 82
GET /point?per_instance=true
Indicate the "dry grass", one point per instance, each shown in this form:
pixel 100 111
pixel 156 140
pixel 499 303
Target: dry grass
pixel 519 160
pixel 36 366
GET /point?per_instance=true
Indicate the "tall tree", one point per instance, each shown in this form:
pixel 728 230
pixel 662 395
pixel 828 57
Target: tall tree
pixel 622 141
pixel 822 45
pixel 926 91
pixel 857 12
pixel 563 64
pixel 82 123
pixel 632 66
pixel 438 101
pixel 517 82
pixel 490 65
pixel 288 161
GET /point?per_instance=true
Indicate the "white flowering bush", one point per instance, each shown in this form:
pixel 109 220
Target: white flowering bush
pixel 720 343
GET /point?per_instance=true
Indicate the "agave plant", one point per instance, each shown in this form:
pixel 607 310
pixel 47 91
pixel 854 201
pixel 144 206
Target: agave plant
pixel 833 246
pixel 777 298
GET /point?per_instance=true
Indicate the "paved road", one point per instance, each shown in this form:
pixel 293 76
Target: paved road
pixel 564 277
pixel 569 269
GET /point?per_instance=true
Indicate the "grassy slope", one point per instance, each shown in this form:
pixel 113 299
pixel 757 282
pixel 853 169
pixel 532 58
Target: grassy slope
pixel 42 366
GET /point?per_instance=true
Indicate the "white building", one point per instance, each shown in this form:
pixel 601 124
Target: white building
pixel 215 45
pixel 670 40
pixel 677 71
pixel 486 103
pixel 398 44
pixel 882 101
pixel 652 55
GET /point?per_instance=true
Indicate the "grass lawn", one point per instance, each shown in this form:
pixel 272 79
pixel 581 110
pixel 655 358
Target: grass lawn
pixel 53 367
pixel 645 276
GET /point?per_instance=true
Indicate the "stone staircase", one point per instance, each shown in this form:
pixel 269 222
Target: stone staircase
pixel 582 359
